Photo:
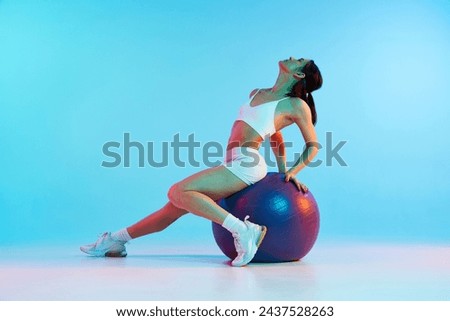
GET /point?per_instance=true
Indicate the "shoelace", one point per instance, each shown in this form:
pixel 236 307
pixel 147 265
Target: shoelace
pixel 101 238
pixel 101 234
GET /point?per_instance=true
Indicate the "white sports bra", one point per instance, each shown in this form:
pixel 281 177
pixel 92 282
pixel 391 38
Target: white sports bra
pixel 261 117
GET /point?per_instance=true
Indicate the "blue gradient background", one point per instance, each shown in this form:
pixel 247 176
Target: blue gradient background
pixel 76 74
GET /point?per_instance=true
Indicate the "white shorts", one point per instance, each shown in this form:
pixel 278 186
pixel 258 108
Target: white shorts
pixel 246 163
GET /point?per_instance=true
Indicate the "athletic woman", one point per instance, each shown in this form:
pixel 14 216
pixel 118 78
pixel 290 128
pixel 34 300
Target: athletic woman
pixel 267 112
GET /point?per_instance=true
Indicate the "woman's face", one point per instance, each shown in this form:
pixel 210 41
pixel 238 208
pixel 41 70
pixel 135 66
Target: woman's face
pixel 293 65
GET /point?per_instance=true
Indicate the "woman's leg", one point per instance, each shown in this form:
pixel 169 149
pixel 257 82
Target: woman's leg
pixel 113 244
pixel 197 193
pixel 215 183
pixel 156 221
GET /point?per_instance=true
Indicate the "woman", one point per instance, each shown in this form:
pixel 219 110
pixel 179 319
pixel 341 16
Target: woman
pixel 269 110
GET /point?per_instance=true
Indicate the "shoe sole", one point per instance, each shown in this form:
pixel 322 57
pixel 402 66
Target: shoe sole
pixel 116 254
pixel 262 236
pixel 107 254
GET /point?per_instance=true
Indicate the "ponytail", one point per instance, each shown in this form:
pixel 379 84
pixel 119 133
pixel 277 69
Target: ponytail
pixel 312 107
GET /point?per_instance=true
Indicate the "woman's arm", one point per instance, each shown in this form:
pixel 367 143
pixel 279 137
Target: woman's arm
pixel 302 117
pixel 278 148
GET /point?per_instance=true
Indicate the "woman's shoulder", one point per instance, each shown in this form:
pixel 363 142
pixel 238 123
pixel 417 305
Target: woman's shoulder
pixel 253 93
pixel 297 106
pixel 297 103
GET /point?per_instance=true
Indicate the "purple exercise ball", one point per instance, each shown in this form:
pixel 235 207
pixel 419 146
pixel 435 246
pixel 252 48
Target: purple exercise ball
pixel 291 217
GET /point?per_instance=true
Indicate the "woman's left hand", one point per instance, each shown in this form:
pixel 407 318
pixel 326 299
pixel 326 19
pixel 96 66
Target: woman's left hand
pixel 291 177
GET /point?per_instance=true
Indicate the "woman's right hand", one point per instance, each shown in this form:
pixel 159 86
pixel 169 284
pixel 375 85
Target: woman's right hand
pixel 289 176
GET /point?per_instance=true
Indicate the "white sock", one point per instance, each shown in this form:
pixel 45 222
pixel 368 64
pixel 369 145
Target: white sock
pixel 121 235
pixel 233 224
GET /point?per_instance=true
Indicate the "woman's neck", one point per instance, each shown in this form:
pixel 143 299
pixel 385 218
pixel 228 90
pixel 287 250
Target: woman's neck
pixel 282 87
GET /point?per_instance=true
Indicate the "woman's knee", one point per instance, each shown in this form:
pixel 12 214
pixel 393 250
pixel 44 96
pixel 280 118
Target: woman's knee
pixel 175 193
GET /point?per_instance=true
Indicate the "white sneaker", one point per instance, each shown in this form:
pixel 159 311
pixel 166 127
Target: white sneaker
pixel 106 246
pixel 247 243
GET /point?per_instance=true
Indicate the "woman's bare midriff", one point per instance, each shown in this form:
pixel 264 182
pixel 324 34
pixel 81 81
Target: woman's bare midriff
pixel 242 135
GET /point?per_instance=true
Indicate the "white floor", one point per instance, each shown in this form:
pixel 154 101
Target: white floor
pixel 196 272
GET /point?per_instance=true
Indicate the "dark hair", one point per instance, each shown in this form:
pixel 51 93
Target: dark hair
pixel 303 88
